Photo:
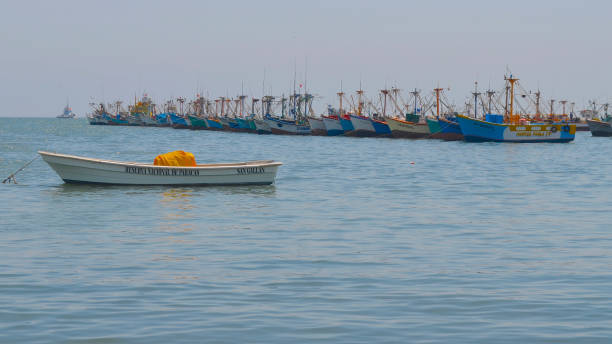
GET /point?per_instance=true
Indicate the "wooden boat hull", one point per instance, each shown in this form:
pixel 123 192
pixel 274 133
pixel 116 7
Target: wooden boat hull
pixel 408 130
pixel 75 169
pixel 599 128
pixel 475 130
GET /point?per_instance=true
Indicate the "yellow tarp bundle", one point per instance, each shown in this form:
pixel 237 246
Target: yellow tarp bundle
pixel 176 158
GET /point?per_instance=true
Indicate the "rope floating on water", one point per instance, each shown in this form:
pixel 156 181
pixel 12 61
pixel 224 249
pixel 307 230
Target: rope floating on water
pixel 11 178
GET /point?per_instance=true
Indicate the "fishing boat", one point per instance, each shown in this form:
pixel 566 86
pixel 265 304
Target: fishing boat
pixel 345 122
pixel 262 127
pixel 162 120
pixel 477 130
pixel 317 127
pixel 99 116
pixel 179 121
pixel 450 130
pixel 516 129
pixel 213 123
pixel 281 126
pixel 409 130
pixel 434 128
pixel 411 126
pixel 67 112
pixel 197 122
pixel 381 127
pixel 600 128
pixel 76 169
pixel 332 125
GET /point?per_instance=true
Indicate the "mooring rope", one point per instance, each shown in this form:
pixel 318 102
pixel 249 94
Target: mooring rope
pixel 11 178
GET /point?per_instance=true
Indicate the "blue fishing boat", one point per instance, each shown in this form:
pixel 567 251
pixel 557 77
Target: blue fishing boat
pixel 214 124
pixel 515 129
pixel 178 121
pixel 162 120
pixel 450 130
pixel 381 128
pixel 345 122
pixel 332 125
pixel 244 124
pixel 476 130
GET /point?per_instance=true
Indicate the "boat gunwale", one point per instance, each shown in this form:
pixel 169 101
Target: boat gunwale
pixel 557 124
pixel 264 163
pixel 407 122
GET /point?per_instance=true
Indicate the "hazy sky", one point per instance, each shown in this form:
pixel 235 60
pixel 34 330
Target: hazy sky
pixel 53 50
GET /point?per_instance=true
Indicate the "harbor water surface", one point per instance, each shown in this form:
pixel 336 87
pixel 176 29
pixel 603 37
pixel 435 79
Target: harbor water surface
pixel 361 240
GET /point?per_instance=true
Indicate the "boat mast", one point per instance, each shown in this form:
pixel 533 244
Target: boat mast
pixel 359 102
pixel 384 92
pixel 512 81
pixel 538 94
pixel 490 94
pixel 438 90
pixel 563 102
pixel 475 94
pixel 552 109
pixel 415 93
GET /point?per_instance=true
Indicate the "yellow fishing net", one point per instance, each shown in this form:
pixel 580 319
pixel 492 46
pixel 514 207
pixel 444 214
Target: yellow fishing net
pixel 176 158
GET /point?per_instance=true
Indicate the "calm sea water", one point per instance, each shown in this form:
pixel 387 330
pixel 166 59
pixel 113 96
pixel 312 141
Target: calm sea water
pixel 473 243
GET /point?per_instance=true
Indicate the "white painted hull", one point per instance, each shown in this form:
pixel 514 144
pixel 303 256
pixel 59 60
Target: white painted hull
pixel 362 124
pixel 316 126
pixel 280 127
pixel 148 120
pixel 262 127
pixel 332 126
pixel 75 169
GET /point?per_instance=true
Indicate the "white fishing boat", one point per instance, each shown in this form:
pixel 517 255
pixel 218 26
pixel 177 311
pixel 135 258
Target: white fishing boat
pixel 317 127
pixel 332 125
pixel 76 169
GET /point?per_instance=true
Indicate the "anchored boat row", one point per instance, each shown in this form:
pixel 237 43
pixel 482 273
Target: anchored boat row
pixel 422 117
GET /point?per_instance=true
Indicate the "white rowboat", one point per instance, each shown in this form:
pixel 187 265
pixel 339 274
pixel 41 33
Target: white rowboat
pixel 75 169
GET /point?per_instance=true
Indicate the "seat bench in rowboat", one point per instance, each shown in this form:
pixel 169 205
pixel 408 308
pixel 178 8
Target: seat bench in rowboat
pixel 76 169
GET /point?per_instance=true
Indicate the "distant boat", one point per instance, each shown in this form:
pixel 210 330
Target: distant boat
pixel 214 123
pixel 332 125
pixel 286 127
pixel 410 130
pixel 476 130
pixel 262 127
pixel 600 128
pixel 197 122
pixel 317 127
pixel 516 129
pixel 362 126
pixel 67 113
pixel 450 129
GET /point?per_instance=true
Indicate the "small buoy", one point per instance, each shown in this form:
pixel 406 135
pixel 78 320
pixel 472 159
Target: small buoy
pixel 412 163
